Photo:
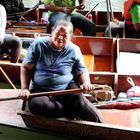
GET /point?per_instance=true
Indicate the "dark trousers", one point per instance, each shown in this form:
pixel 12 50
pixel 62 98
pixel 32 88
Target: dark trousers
pixel 11 48
pixel 79 21
pixel 69 106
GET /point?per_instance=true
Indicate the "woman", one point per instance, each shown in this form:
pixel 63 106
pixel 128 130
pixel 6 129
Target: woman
pixel 55 63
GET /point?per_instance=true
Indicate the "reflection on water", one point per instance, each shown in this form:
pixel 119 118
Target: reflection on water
pixel 117 5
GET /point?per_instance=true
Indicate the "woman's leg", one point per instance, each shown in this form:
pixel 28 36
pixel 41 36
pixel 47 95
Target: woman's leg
pixel 13 45
pixel 80 106
pixel 87 27
pixel 45 106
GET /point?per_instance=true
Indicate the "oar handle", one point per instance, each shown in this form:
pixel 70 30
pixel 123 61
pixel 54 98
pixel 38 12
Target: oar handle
pixel 9 98
pixel 62 92
pixel 51 93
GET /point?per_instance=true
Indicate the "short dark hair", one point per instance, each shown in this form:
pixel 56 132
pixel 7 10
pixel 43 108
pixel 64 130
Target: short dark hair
pixel 64 23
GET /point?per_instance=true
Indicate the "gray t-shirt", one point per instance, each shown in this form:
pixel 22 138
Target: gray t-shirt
pixel 54 70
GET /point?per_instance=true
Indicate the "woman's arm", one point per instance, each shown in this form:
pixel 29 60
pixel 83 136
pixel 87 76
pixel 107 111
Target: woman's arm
pixel 2 23
pixel 26 72
pixel 84 78
pixel 85 83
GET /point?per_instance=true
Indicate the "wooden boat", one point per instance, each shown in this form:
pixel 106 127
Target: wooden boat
pixel 119 124
pixel 102 54
pixel 30 23
pixel 12 125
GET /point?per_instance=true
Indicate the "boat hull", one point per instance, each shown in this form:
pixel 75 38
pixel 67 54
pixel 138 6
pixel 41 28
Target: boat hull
pixel 80 129
pixel 119 124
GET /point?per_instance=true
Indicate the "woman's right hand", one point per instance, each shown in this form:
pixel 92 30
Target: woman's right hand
pixel 24 94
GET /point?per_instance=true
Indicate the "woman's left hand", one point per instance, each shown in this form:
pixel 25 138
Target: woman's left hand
pixel 87 87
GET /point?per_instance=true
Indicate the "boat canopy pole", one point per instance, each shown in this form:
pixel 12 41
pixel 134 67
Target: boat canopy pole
pixel 108 19
pixel 111 11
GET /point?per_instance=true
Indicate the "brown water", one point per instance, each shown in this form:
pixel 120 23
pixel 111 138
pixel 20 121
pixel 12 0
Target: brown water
pixel 117 5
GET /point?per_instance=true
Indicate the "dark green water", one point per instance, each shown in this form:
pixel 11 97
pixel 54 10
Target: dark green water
pixel 7 86
pixel 15 133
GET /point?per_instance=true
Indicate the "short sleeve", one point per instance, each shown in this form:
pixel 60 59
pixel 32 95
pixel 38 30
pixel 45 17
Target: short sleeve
pixel 32 53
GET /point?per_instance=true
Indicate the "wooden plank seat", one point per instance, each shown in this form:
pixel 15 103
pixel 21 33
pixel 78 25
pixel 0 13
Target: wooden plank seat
pixel 39 28
pixel 103 50
pixel 102 78
pixel 128 55
pixel 29 34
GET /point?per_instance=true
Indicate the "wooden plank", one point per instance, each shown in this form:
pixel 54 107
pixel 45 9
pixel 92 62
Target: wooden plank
pixel 103 49
pixel 129 45
pixel 12 70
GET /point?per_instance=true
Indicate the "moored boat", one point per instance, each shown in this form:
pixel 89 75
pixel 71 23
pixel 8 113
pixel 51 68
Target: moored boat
pixel 31 21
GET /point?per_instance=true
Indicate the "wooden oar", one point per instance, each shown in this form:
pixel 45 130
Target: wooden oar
pixel 51 93
pixel 7 78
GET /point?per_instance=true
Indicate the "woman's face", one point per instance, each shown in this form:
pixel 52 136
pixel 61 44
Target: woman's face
pixel 60 37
